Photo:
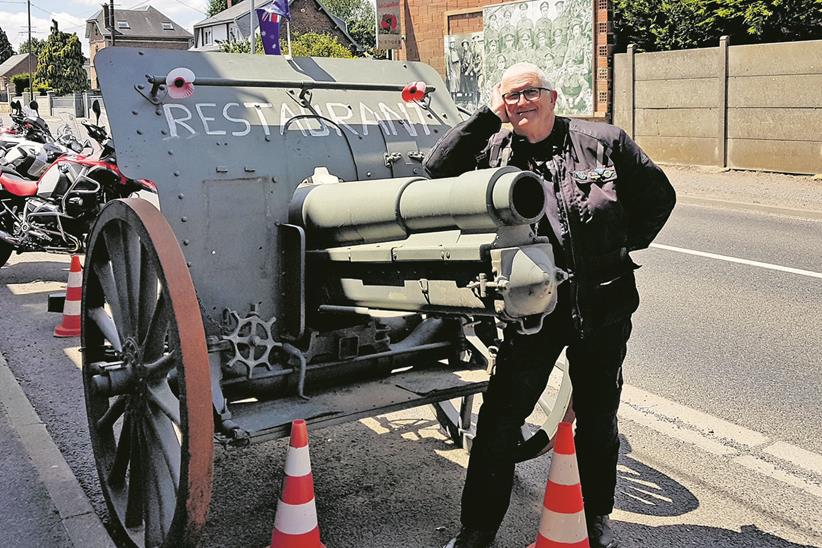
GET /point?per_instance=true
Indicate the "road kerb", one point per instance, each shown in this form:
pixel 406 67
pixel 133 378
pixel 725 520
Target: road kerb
pixel 83 526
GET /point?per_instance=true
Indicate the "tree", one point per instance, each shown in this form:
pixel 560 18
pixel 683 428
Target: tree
pixel 309 44
pixel 6 50
pixel 360 18
pixel 36 46
pixel 216 6
pixel 60 63
pixel 657 25
pixel 312 44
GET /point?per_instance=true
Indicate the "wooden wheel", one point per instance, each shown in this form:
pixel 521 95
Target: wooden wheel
pixel 146 378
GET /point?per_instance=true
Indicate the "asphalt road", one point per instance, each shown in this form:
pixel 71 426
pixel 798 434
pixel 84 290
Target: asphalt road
pixel 719 422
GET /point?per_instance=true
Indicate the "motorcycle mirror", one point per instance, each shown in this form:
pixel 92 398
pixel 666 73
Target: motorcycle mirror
pixel 15 105
pixel 95 108
pixel 35 107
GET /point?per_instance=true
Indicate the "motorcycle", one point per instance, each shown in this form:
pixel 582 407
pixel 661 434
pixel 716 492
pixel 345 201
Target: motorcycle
pixel 25 128
pixel 54 213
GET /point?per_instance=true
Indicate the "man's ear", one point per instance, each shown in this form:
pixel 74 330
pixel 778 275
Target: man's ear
pixel 554 96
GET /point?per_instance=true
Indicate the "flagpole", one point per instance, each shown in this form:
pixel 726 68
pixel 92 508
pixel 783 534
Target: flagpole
pixel 288 35
pixel 252 16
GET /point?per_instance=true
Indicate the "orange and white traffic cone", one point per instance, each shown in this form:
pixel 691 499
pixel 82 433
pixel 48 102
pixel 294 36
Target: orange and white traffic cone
pixel 295 525
pixel 70 325
pixel 563 517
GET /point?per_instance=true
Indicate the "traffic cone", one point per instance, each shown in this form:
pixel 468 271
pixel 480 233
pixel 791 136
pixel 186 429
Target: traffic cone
pixel 295 525
pixel 563 518
pixel 70 326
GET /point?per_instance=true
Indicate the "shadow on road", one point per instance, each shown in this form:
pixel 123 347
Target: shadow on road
pixel 633 535
pixel 644 490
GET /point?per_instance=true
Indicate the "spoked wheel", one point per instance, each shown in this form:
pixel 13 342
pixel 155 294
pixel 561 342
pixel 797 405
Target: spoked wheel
pixel 555 403
pixel 146 378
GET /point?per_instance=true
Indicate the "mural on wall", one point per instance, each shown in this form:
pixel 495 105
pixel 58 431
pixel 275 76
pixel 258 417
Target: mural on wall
pixel 465 69
pixel 556 35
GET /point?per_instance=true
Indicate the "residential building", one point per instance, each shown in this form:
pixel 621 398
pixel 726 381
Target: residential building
pixel 16 64
pixel 233 24
pixel 144 27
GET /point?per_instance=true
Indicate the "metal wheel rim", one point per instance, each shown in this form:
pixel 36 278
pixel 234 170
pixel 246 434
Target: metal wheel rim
pixel 143 339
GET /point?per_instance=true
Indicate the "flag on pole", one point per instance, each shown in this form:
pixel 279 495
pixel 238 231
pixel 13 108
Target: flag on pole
pixel 269 30
pixel 280 7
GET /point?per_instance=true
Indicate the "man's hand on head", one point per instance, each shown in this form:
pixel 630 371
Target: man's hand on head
pixel 498 105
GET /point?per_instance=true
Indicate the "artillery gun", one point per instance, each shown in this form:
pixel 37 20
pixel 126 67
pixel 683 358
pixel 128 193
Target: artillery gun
pixel 302 267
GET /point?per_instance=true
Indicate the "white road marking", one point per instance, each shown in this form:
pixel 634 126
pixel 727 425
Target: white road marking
pixel 720 437
pixel 703 422
pixel 748 262
pixel 686 435
pixel 796 455
pixel 768 469
pixel 32 288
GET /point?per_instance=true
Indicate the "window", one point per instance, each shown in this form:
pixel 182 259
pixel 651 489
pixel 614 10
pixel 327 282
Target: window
pixel 123 25
pixel 167 26
pixel 208 37
pixel 603 4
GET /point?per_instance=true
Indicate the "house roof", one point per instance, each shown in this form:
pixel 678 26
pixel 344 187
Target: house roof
pixel 238 13
pixel 15 60
pixel 146 22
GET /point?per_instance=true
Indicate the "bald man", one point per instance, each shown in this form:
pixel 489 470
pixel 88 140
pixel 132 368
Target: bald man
pixel 605 199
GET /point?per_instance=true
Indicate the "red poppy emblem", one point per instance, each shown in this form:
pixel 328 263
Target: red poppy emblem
pixel 389 23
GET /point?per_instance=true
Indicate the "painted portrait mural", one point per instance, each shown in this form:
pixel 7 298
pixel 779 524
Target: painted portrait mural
pixel 556 35
pixel 465 69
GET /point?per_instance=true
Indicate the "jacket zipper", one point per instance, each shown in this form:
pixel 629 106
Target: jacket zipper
pixel 576 312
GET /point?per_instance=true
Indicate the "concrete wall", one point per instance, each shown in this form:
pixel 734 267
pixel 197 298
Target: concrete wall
pixel 746 107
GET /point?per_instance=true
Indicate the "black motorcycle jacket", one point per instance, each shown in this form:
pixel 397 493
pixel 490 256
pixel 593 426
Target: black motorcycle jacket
pixel 608 199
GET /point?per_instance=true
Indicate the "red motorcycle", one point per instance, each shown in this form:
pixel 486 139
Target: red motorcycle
pixel 54 214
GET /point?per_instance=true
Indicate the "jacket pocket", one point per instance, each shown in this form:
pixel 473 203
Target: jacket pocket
pixel 609 301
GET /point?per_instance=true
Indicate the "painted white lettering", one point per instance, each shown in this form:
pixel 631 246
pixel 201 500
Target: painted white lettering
pixel 406 121
pixel 258 108
pixel 174 122
pixel 286 116
pixel 340 118
pixel 206 119
pixel 323 127
pixel 389 116
pixel 377 120
pixel 247 129
pixel 421 114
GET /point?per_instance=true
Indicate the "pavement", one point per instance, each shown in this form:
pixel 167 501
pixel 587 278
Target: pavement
pixel 49 508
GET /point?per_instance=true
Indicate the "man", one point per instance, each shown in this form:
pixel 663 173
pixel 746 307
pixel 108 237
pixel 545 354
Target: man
pixel 606 199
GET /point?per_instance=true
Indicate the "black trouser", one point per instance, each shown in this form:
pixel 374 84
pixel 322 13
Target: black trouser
pixel 523 366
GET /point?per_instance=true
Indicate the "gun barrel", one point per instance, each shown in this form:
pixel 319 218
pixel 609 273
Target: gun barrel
pixel 392 209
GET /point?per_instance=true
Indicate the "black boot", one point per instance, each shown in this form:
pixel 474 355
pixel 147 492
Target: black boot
pixel 472 538
pixel 600 534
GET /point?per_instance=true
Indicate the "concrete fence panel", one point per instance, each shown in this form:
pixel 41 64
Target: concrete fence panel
pixel 748 107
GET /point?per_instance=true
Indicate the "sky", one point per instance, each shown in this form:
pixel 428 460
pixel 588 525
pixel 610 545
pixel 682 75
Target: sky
pixel 72 14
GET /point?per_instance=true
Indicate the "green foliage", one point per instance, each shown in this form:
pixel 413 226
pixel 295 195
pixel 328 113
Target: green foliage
pixel 6 50
pixel 216 6
pixel 312 44
pixel 309 44
pixel 36 46
pixel 657 25
pixel 21 82
pixel 360 18
pixel 242 47
pixel 60 63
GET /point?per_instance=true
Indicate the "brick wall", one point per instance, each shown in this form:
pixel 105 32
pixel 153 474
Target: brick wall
pixel 425 23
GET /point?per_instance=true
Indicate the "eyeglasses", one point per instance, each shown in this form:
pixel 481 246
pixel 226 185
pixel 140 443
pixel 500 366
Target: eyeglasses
pixel 530 94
